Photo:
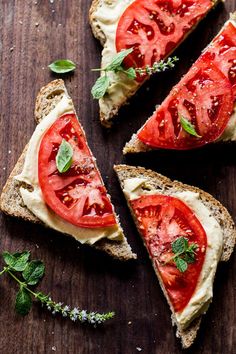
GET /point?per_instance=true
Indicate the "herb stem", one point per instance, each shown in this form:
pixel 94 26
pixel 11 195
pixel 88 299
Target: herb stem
pixel 5 269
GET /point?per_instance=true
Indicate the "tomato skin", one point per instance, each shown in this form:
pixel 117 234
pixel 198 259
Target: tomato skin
pixel 155 28
pixel 78 195
pixel 161 220
pixel 204 96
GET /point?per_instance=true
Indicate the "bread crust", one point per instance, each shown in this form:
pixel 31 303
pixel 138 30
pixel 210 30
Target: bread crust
pixel 11 201
pixel 166 186
pixel 107 119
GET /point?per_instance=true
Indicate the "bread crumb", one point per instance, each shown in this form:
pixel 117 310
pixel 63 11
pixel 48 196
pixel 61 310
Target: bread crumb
pixel 36 24
pixel 129 323
pixel 9 152
pixel 37 246
pixel 20 22
pixel 139 349
pixel 54 348
pixel 11 49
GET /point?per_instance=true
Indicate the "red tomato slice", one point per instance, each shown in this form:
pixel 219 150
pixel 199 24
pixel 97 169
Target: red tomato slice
pixel 154 28
pixel 223 52
pixel 161 220
pixel 78 195
pixel 204 97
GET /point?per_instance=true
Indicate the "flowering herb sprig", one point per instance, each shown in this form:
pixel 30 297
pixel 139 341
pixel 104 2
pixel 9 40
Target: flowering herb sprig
pixel 102 84
pixel 27 274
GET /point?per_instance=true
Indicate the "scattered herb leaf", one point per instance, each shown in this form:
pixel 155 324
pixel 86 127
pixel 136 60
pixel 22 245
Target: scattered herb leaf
pixel 118 60
pixel 31 274
pixel 102 84
pixel 23 302
pixel 188 127
pixel 64 156
pixel 100 87
pixel 184 253
pixel 62 66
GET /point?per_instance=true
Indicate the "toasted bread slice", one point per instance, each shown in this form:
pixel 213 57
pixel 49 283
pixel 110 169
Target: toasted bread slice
pixel 135 145
pixel 166 186
pixel 113 100
pixel 11 201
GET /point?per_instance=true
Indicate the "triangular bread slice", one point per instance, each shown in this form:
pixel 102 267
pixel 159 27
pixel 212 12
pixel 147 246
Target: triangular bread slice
pixel 166 186
pixel 103 16
pixel 135 145
pixel 11 201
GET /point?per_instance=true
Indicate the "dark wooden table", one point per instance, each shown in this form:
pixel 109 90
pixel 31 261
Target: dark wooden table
pixel 33 34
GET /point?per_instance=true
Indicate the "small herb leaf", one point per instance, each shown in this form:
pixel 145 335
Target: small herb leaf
pixel 100 87
pixel 179 245
pixel 64 156
pixel 131 73
pixel 188 127
pixel 33 272
pixel 118 59
pixel 16 261
pixel 23 302
pixel 181 264
pixel 62 66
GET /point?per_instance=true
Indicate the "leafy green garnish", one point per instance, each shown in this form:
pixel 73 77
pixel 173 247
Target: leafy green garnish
pixel 62 66
pixel 23 302
pixel 64 156
pixel 102 84
pixel 188 127
pixel 100 87
pixel 33 272
pixel 184 253
pixel 28 273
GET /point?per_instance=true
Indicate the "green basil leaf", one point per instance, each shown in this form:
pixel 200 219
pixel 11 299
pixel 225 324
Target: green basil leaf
pixel 33 272
pixel 188 127
pixel 64 156
pixel 62 66
pixel 189 258
pixel 100 87
pixel 16 261
pixel 179 245
pixel 118 59
pixel 23 302
pixel 131 73
pixel 181 265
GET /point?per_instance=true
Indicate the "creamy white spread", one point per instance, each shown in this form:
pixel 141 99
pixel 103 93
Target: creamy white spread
pixel 34 199
pixel 107 16
pixel 229 133
pixel 198 304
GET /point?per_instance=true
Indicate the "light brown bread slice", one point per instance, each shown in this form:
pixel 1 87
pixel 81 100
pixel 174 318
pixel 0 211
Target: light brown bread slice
pixel 107 116
pixel 166 186
pixel 11 201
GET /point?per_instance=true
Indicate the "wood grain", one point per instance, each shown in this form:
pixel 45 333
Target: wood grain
pixel 33 34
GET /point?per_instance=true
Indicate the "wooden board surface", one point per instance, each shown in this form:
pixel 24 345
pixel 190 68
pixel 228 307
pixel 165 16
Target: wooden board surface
pixel 33 34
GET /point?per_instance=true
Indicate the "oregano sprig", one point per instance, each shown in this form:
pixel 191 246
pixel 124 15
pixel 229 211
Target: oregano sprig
pixel 27 274
pixel 184 253
pixel 102 84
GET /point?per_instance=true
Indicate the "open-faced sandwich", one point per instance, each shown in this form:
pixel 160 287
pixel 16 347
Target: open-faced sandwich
pixel 56 181
pixel 200 109
pixel 153 29
pixel 186 232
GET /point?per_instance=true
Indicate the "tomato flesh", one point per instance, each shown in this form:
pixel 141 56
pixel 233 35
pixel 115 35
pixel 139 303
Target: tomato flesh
pixel 223 52
pixel 154 28
pixel 78 195
pixel 161 220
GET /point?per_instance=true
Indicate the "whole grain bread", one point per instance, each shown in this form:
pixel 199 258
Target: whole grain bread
pixel 220 213
pixel 107 117
pixel 11 201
